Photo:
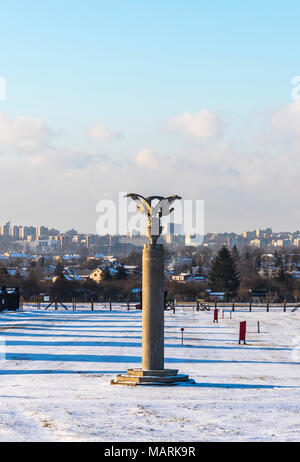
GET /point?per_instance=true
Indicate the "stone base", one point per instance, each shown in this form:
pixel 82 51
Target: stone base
pixel 142 377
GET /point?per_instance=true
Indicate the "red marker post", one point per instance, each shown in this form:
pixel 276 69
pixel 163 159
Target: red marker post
pixel 182 330
pixel 216 315
pixel 243 332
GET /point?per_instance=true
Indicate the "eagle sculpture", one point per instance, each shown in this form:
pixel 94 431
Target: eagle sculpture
pixel 154 213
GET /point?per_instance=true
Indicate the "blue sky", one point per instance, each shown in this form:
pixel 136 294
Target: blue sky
pixel 133 65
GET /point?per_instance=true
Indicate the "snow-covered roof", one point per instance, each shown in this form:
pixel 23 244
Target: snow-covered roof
pixel 15 255
pixel 70 257
pixel 12 272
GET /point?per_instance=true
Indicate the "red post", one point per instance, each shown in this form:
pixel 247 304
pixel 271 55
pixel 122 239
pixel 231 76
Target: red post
pixel 182 330
pixel 216 315
pixel 243 332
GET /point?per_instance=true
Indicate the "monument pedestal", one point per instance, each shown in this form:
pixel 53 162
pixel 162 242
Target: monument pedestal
pixel 136 377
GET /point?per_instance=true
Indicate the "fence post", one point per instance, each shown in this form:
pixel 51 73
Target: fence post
pixel 110 304
pixel 233 305
pixel 284 306
pixel 268 306
pixel 92 304
pixel 216 317
pixel 242 332
pixel 258 327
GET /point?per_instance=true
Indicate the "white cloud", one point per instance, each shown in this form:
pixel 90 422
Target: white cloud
pixel 102 133
pixel 202 125
pixel 25 133
pixel 147 159
pixel 285 123
pixel 243 184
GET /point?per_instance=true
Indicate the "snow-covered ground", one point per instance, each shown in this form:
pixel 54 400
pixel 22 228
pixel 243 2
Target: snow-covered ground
pixel 56 369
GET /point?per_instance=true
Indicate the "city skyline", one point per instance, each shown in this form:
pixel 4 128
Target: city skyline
pixel 167 229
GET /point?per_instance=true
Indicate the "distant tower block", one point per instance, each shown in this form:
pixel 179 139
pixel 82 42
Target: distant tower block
pixel 152 371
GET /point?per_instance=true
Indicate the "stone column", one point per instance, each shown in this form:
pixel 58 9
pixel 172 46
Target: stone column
pixel 153 307
pixel 152 371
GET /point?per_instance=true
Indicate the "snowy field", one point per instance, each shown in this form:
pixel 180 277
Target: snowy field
pixel 56 369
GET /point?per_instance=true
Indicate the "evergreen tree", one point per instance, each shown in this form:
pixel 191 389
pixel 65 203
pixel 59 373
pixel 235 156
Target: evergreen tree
pixel 59 270
pixel 278 260
pixel 4 276
pixel 122 273
pixel 281 276
pixel 257 263
pixel 224 275
pixel 235 254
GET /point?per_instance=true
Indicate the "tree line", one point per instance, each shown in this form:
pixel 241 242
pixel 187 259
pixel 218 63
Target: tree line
pixel 230 271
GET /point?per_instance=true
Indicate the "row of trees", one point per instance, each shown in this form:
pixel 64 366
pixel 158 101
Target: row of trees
pixel 228 271
pixel 237 274
pixel 63 289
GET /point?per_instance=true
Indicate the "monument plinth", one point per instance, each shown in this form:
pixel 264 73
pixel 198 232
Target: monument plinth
pixel 152 371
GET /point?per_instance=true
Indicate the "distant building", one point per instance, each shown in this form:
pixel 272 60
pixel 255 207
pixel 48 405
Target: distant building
pixel 4 230
pixel 43 246
pixel 281 242
pixel 264 233
pixel 168 238
pixel 182 277
pixel 215 296
pixel 175 229
pixel 97 275
pixel 14 231
pixel 194 239
pixel 249 235
pixel 17 255
pixel 259 242
pixel 187 277
pixel 137 241
pixel 41 232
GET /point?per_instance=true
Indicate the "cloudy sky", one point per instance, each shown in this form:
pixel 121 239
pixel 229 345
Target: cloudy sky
pixel 189 97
